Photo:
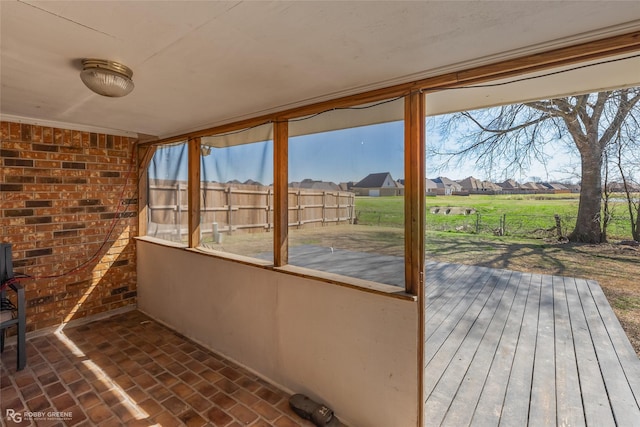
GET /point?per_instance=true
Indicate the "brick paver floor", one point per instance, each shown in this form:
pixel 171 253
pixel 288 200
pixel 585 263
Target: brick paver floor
pixel 129 370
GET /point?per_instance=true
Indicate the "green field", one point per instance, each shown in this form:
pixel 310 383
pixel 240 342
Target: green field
pixel 510 215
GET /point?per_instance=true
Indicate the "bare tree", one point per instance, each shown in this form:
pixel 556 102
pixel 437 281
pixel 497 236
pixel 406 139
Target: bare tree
pixel 511 137
pixel 628 162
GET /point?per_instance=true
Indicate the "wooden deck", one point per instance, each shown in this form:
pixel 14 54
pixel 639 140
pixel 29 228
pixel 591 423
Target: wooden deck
pixel 516 349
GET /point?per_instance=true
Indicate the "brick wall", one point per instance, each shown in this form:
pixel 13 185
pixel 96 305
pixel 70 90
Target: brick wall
pixel 69 207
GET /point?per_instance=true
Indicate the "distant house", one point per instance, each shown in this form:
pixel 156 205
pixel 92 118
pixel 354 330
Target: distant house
pixel 446 186
pixel 532 186
pixel 556 186
pixel 574 188
pixel 430 187
pixel 378 184
pixel 509 185
pixel 474 185
pixel 346 186
pixel 311 184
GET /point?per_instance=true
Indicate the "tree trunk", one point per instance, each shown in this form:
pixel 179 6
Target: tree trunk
pixel 635 230
pixel 588 224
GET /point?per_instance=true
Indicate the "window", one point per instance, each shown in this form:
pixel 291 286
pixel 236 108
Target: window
pixel 236 187
pixel 346 197
pixel 167 194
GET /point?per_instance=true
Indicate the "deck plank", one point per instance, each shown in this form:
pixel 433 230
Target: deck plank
pixel 568 401
pixel 623 403
pixel 473 329
pixel 625 352
pixel 515 411
pixel 466 400
pixel 515 349
pixel 489 408
pixel 542 409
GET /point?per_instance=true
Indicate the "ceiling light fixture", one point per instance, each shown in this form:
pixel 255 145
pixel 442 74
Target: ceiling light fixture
pixel 107 78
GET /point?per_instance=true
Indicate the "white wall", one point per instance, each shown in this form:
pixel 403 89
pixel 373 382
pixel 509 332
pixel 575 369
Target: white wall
pixel 353 350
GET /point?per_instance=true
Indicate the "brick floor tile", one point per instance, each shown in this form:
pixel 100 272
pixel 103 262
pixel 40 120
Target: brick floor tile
pixel 153 368
pixel 69 376
pixel 166 419
pixel 226 385
pixel 269 395
pixel 231 373
pixel 15 404
pixel 175 405
pixel 63 402
pixel 144 380
pixel 218 417
pixel 79 387
pixel 243 414
pixel 137 394
pixel 38 403
pixel 167 379
pixel 24 378
pixel 206 389
pixel 111 397
pixel 159 393
pixel 151 407
pixel 192 419
pixel 99 413
pixel 285 421
pixel 198 403
pixel 176 368
pixel 182 390
pixel 48 378
pixel 211 375
pixel 214 364
pixel 31 391
pixel 55 389
pixel 123 412
pixel 223 400
pixel 89 399
pixel 189 377
pixel 266 410
pixel 248 383
pixel 245 397
pixel 124 381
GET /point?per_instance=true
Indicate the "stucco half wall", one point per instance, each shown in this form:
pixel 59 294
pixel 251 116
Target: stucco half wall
pixel 354 350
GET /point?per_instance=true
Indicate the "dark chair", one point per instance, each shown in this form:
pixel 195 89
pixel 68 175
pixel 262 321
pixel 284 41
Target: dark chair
pixel 7 317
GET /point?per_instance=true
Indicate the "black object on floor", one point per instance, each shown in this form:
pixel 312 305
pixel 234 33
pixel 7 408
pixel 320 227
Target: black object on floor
pixel 317 413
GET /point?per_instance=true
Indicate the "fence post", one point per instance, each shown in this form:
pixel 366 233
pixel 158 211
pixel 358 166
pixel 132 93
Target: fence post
pixel 179 211
pixel 478 223
pixel 558 225
pixel 268 208
pixel 504 225
pixel 229 209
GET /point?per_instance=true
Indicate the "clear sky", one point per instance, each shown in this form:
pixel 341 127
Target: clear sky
pixel 338 156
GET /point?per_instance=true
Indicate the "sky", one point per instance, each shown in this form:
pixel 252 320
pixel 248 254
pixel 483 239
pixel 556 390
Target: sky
pixel 337 156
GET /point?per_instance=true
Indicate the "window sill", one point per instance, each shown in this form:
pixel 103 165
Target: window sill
pixel 307 273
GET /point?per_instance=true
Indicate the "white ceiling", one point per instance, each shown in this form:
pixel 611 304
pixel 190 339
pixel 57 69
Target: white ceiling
pixel 200 64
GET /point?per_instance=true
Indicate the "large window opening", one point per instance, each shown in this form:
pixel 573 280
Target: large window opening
pixel 346 197
pixel 168 208
pixel 236 192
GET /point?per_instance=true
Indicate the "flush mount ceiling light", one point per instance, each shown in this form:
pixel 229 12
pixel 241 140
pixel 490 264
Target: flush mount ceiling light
pixel 107 78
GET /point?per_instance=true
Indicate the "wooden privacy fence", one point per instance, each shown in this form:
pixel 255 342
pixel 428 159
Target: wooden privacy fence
pixel 229 208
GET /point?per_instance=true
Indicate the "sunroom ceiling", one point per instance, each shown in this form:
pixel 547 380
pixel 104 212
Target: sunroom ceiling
pixel 200 64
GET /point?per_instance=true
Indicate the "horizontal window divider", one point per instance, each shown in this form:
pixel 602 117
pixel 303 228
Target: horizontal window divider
pixel 349 282
pixel 307 273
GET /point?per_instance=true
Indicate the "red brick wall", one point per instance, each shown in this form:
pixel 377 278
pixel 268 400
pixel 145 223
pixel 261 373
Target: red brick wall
pixel 69 209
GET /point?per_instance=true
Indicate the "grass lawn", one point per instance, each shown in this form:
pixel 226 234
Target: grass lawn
pixel 517 215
